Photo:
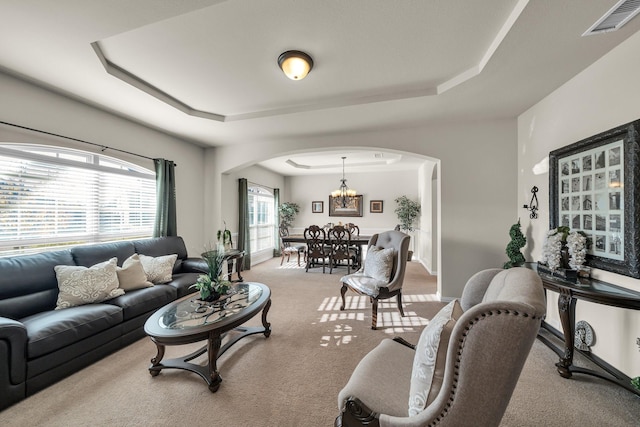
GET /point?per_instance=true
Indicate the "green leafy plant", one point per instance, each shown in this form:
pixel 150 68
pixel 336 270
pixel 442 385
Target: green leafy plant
pixel 288 212
pixel 224 237
pixel 407 211
pixel 636 383
pixel 518 241
pixel 216 280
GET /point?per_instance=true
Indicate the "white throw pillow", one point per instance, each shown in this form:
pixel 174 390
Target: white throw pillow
pixel 132 275
pixel 378 263
pixel 81 285
pixel 429 360
pixel 158 269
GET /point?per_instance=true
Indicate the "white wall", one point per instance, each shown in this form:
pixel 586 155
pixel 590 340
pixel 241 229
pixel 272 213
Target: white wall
pixel 27 105
pixel 478 199
pixel 603 96
pixel 385 186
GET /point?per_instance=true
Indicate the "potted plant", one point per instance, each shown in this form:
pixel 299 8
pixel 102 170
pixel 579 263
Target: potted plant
pixel 288 212
pixel 215 283
pixel 518 241
pixel 407 212
pixel 224 237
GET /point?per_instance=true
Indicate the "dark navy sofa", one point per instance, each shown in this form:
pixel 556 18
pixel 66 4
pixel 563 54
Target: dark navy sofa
pixel 40 345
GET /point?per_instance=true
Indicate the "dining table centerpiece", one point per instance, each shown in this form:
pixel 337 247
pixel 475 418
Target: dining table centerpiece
pixel 215 283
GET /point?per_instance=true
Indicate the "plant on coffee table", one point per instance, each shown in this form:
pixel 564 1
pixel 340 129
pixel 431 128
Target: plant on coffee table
pixel 214 284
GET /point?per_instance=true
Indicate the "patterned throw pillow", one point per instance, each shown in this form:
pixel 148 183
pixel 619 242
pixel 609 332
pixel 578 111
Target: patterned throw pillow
pixel 158 269
pixel 430 357
pixel 378 263
pixel 81 285
pixel 131 275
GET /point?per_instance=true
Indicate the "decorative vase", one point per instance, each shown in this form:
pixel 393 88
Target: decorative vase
pixel 564 257
pixel 213 296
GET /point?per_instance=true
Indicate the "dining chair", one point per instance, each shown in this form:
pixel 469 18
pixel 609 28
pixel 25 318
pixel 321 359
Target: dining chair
pixel 354 230
pixel 315 238
pixel 341 248
pixel 286 248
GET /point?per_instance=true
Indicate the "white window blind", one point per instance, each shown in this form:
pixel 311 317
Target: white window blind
pixel 53 197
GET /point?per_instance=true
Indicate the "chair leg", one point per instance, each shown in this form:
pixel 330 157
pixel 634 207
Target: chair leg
pixel 298 259
pixel 374 313
pixel 400 303
pixel 342 292
pixel 282 258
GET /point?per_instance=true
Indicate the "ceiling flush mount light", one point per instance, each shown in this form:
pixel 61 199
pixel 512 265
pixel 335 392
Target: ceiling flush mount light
pixel 295 64
pixel 344 194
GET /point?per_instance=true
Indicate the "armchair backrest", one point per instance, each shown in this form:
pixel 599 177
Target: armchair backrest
pixel 487 349
pixel 400 242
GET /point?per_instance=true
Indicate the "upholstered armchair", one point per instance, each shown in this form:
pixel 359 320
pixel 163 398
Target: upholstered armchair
pixel 465 366
pixel 383 273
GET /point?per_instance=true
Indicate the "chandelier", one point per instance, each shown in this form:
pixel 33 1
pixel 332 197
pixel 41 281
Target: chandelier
pixel 344 193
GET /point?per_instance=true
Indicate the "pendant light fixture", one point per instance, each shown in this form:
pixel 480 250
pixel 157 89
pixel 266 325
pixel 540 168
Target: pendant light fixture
pixel 344 193
pixel 295 64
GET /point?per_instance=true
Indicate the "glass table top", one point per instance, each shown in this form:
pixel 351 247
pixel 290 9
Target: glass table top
pixel 194 313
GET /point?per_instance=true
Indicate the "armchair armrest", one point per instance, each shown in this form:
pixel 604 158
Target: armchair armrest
pixel 357 413
pixel 13 339
pixel 404 342
pixel 194 265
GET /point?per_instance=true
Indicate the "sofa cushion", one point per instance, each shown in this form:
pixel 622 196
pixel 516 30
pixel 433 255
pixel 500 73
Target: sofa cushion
pixel 430 357
pixel 158 269
pixel 92 254
pixel 182 283
pixel 140 301
pixel 28 283
pixel 131 275
pixel 378 263
pixel 82 285
pixel 51 330
pixel 159 246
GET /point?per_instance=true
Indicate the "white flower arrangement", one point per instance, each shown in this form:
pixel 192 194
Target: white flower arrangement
pixel 576 243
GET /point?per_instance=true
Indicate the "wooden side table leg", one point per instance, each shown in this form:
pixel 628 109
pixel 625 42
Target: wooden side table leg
pixel 213 347
pixel 567 311
pixel 239 266
pixel 156 360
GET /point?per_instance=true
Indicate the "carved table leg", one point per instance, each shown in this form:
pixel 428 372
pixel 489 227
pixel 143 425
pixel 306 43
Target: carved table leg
pixel 267 325
pixel 239 267
pixel 156 360
pixel 213 346
pixel 567 311
pixel 342 292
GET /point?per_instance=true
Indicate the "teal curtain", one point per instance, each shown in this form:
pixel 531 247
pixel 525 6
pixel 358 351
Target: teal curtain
pixel 165 222
pixel 243 222
pixel 276 231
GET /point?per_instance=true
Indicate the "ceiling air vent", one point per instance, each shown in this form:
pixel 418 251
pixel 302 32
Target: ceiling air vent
pixel 616 17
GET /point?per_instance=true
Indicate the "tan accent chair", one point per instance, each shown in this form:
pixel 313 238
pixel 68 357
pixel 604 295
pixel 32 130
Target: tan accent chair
pixel 484 355
pixel 286 248
pixel 374 288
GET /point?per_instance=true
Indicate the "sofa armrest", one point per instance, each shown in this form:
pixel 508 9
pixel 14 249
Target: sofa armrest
pixel 194 265
pixel 13 334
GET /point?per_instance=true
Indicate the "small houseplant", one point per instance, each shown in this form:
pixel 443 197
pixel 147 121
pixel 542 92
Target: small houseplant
pixel 215 283
pixel 288 212
pixel 224 237
pixel 407 212
pixel 513 247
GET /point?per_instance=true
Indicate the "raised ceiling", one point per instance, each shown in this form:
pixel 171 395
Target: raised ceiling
pixel 206 70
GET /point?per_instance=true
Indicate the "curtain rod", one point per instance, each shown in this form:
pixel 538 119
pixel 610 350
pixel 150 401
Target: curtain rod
pixel 102 146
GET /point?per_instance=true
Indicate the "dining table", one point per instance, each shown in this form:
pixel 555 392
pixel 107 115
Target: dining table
pixel 361 241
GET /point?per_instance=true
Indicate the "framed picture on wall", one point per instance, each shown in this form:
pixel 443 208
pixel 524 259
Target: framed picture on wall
pixel 352 208
pixel 317 207
pixel 594 185
pixel 375 206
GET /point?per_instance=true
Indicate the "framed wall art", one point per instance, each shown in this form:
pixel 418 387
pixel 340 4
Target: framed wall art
pixel 317 207
pixel 594 185
pixel 353 207
pixel 375 206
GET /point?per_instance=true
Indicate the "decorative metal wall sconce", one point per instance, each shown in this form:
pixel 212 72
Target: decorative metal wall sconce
pixel 533 204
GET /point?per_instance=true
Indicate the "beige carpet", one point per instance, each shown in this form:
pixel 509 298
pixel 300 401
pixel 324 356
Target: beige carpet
pixel 293 377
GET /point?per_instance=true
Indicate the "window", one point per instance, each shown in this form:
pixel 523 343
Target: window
pixel 52 197
pixel 261 219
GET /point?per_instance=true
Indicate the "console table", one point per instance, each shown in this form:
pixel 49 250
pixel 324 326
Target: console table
pixel 591 290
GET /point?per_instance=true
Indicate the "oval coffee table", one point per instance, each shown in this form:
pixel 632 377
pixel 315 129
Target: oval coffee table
pixel 190 320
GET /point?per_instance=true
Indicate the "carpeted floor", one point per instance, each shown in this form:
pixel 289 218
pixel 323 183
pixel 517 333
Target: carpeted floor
pixel 293 377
